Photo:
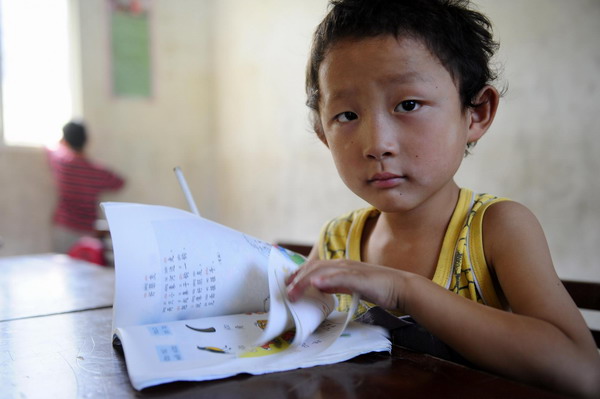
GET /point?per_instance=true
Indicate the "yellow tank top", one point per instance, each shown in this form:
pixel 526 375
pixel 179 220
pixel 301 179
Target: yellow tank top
pixel 461 267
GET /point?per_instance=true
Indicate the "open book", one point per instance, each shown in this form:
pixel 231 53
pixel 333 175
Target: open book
pixel 195 300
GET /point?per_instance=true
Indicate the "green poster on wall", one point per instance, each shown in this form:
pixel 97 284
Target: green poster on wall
pixel 130 44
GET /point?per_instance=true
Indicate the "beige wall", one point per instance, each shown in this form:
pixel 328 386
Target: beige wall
pixel 228 107
pixel 146 138
pixel 544 147
pixel 26 200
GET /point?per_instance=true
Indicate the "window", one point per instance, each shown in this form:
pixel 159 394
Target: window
pixel 36 82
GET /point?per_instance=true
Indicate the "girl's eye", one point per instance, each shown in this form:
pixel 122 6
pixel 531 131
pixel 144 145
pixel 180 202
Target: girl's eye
pixel 407 106
pixel 346 116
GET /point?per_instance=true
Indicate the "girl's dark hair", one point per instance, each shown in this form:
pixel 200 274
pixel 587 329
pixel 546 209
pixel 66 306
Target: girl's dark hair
pixel 458 36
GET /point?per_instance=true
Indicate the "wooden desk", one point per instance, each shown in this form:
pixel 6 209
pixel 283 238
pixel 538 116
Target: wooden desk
pixel 40 285
pixel 68 352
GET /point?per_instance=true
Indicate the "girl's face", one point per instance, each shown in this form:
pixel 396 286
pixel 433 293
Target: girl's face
pixel 393 120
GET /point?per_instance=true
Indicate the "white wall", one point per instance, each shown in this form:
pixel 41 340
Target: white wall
pixel 544 147
pixel 229 108
pixel 278 181
pixel 143 139
pixel 26 200
pixel 541 150
pixel 146 138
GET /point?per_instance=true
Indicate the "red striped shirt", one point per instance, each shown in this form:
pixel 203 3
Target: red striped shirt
pixel 79 182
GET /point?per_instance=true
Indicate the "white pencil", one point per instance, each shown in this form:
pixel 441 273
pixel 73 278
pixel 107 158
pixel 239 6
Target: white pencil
pixel 186 190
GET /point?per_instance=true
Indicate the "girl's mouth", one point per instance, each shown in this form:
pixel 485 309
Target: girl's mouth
pixel 386 180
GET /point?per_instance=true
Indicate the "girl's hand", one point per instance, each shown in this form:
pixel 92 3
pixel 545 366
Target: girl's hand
pixel 377 284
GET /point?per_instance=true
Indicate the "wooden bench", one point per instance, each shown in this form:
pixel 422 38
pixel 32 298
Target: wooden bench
pixel 586 295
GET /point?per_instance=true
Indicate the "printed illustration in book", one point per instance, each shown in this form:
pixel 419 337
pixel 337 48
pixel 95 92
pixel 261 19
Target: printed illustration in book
pixel 196 300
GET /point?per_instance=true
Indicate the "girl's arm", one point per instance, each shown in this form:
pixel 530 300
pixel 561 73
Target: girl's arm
pixel 543 341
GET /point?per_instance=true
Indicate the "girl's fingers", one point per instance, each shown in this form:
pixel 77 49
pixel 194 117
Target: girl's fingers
pixel 299 281
pixel 373 283
pixel 291 278
pixel 328 277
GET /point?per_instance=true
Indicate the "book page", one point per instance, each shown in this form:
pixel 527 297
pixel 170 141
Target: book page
pixel 280 319
pixel 173 265
pixel 306 314
pixel 205 349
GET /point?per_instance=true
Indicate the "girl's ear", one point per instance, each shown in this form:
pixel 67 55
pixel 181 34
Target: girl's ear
pixel 322 137
pixel 482 115
pixel 318 128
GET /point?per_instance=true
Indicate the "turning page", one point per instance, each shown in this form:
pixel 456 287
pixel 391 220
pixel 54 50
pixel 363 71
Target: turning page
pixel 174 265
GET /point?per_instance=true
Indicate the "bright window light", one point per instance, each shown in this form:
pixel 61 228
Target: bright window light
pixel 36 82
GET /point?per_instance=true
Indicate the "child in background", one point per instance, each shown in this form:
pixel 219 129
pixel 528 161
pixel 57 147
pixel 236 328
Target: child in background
pixel 80 182
pixel 399 91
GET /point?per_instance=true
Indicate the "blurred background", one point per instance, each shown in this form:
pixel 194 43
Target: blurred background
pixel 222 96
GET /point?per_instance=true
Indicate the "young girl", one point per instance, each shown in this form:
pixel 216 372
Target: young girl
pixel 399 90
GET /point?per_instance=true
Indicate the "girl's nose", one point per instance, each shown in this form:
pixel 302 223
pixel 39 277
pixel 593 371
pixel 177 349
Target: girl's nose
pixel 381 140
